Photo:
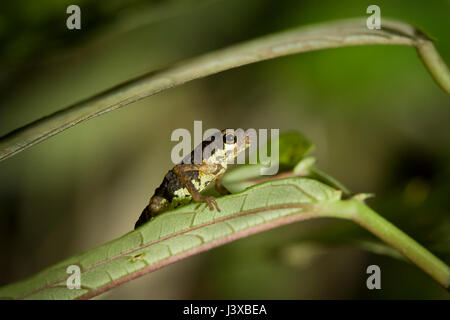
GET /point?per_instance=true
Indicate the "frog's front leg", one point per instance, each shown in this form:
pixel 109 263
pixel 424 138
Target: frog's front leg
pixel 181 169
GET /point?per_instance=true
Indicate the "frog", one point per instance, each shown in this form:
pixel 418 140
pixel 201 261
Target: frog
pixel 186 180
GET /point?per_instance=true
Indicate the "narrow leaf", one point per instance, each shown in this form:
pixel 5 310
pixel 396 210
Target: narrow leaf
pixel 309 38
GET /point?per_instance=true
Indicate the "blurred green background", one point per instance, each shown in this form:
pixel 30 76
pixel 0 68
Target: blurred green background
pixel 379 122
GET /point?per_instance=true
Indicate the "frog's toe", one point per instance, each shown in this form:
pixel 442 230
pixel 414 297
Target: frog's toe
pixel 212 203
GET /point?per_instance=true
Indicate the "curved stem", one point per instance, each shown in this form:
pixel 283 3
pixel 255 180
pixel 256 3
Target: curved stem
pixel 358 212
pixel 434 63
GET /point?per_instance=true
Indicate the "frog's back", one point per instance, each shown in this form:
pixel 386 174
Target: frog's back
pixel 172 187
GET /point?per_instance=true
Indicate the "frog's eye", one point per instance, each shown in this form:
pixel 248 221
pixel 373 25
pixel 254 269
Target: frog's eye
pixel 229 138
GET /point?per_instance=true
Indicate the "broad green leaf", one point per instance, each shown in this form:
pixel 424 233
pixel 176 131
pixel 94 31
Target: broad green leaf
pixel 304 39
pixel 176 234
pixel 293 147
pixel 192 229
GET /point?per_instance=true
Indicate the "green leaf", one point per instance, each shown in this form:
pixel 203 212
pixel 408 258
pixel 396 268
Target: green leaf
pixel 192 229
pixel 304 39
pixel 293 147
pixel 174 235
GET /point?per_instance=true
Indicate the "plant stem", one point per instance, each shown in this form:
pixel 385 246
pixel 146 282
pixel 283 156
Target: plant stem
pixel 434 63
pixel 358 212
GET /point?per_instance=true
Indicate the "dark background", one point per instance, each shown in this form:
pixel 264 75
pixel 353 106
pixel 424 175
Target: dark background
pixel 379 121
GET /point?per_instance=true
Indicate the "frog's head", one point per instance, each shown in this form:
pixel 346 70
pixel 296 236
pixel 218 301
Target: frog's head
pixel 227 145
pixel 235 141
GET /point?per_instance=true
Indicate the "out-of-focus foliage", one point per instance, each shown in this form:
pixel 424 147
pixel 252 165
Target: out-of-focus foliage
pixel 377 118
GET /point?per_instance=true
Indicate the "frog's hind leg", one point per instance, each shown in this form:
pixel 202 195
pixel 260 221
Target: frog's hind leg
pixel 181 172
